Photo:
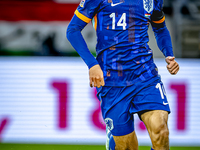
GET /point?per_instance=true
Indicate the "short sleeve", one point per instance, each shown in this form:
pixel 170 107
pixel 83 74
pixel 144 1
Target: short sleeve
pixel 87 9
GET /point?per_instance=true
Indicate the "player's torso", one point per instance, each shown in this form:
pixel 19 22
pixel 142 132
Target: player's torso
pixel 122 39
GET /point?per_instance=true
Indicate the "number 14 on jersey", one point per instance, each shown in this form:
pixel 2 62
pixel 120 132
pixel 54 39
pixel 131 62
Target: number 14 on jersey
pixel 121 22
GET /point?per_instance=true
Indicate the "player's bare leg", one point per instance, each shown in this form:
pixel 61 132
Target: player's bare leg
pixel 156 124
pixel 125 142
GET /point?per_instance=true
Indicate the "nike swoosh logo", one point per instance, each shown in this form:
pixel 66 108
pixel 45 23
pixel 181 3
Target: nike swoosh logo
pixel 165 103
pixel 115 4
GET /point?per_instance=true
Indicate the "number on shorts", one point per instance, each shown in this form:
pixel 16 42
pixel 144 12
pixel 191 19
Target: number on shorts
pixel 161 89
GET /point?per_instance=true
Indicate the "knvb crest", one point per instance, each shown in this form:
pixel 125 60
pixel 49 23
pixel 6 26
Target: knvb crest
pixel 148 5
pixel 109 123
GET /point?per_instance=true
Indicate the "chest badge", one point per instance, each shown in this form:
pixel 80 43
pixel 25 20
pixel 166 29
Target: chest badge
pixel 148 5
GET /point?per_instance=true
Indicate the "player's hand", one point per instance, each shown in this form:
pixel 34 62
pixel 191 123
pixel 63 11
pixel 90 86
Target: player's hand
pixel 96 76
pixel 173 66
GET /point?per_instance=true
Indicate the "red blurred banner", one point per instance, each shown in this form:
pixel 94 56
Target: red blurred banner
pixel 37 10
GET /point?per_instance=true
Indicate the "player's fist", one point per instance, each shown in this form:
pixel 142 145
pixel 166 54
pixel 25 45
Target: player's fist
pixel 96 76
pixel 173 66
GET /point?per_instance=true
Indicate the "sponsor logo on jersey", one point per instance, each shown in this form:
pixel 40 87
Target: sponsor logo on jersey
pixel 109 123
pixel 82 3
pixel 115 4
pixel 148 5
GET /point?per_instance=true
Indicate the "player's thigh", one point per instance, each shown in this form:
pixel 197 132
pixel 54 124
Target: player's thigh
pixel 155 120
pixel 129 141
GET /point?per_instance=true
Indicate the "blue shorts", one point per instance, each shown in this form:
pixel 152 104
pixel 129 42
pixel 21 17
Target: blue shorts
pixel 118 104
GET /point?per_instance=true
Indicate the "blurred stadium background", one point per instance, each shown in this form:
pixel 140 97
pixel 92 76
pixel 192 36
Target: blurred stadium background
pixel 45 98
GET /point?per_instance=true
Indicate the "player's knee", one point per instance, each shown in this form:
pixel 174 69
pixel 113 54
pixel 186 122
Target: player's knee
pixel 160 134
pixel 164 134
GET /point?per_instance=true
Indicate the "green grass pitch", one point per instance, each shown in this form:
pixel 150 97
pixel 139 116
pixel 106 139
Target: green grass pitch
pixel 8 146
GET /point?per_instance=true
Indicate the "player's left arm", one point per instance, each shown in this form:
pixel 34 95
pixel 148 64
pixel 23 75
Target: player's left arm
pixel 163 39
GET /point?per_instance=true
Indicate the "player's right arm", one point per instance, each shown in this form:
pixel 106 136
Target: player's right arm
pixel 78 22
pixel 77 41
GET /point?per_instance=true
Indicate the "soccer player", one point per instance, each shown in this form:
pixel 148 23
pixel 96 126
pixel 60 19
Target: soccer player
pixel 124 72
